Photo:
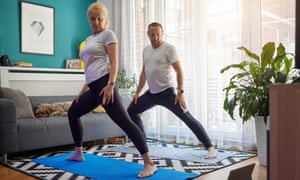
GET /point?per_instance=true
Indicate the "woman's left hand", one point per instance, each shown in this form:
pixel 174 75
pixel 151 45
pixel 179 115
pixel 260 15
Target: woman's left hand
pixel 108 94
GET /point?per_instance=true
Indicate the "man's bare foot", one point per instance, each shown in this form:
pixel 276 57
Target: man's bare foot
pixel 211 154
pixel 78 158
pixel 148 171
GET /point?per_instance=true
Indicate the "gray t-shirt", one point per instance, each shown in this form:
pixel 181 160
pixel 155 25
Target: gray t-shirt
pixel 94 55
pixel 158 66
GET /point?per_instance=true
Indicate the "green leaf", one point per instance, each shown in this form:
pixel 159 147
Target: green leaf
pixel 237 66
pixel 267 54
pixel 249 53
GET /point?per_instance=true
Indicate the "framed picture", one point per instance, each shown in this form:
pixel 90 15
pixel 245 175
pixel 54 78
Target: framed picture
pixel 73 64
pixel 37 29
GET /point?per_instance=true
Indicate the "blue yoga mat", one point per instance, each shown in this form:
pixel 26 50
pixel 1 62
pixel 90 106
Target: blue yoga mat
pixel 102 168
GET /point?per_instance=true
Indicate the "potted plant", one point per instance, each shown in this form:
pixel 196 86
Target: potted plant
pixel 126 83
pixel 248 89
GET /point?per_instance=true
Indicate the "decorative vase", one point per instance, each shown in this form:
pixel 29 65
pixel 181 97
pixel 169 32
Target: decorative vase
pixel 261 138
pixel 124 91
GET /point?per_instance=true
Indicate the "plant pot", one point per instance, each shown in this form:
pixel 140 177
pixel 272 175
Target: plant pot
pixel 125 91
pixel 261 138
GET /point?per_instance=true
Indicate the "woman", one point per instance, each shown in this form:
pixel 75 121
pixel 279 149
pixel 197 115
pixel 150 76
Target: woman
pixel 100 56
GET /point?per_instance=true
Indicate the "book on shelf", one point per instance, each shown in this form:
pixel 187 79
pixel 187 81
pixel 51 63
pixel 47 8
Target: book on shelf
pixel 23 64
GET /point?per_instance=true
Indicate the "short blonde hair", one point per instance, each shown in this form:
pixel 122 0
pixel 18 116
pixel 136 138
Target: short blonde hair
pixel 101 7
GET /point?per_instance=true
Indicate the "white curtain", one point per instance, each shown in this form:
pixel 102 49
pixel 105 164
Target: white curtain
pixel 206 34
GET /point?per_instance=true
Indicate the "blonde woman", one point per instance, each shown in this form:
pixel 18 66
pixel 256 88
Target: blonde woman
pixel 100 56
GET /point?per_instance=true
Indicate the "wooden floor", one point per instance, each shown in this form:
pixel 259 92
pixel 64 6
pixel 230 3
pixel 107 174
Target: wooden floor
pixel 7 173
pixel 259 173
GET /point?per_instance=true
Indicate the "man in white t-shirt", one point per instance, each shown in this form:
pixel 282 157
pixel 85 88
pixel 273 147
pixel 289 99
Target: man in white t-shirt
pixel 158 60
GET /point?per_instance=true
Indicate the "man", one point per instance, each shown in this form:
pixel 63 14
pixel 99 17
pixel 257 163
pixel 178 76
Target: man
pixel 158 60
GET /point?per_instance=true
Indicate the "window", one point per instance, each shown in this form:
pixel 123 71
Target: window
pixel 206 34
pixel 278 22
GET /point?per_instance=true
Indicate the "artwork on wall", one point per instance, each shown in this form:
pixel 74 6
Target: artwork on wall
pixel 37 29
pixel 73 64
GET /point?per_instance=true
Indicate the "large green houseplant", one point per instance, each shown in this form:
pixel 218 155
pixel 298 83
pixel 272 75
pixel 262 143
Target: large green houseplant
pixel 248 88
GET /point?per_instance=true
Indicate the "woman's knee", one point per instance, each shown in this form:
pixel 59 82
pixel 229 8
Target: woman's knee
pixel 72 113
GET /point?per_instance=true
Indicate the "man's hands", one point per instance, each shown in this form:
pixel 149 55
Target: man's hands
pixel 135 98
pixel 180 99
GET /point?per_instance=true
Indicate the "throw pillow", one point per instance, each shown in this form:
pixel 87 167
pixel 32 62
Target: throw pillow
pixel 54 109
pixel 99 109
pixel 23 105
pixel 58 109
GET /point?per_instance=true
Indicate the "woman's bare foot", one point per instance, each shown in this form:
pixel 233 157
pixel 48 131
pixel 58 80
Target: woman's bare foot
pixel 211 154
pixel 148 171
pixel 77 155
pixel 149 168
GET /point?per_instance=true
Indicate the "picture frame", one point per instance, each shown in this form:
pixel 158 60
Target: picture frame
pixel 73 64
pixel 37 28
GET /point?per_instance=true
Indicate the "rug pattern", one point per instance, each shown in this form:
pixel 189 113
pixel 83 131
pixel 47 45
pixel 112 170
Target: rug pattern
pixel 44 172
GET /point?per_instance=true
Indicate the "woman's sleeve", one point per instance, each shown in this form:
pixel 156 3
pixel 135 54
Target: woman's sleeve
pixel 110 37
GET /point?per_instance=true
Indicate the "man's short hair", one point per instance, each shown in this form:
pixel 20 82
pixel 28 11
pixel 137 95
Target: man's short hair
pixel 155 24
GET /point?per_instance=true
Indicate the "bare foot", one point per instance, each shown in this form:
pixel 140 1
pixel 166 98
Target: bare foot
pixel 211 154
pixel 148 171
pixel 75 157
pixel 78 158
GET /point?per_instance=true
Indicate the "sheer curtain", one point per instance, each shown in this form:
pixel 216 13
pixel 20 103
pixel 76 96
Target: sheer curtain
pixel 206 34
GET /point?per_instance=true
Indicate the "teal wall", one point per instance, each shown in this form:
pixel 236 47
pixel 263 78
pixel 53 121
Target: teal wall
pixel 71 28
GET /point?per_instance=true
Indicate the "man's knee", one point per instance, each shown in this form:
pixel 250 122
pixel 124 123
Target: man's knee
pixel 130 111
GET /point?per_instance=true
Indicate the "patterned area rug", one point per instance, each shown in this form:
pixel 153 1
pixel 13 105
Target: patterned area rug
pixel 45 172
pixel 174 151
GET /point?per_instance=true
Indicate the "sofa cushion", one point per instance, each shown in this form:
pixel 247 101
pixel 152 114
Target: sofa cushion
pixel 52 109
pixel 23 105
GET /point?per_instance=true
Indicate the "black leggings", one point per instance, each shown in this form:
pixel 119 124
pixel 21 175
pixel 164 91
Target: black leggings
pixel 90 100
pixel 166 99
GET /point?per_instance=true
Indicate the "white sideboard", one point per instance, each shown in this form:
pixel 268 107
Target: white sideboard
pixel 42 81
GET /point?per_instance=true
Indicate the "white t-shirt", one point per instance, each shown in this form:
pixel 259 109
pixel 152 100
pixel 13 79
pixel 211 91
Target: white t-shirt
pixel 158 66
pixel 94 55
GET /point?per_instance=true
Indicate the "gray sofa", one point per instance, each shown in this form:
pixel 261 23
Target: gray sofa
pixel 23 134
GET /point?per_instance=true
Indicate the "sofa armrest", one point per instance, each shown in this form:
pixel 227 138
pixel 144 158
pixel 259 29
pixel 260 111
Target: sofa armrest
pixel 8 126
